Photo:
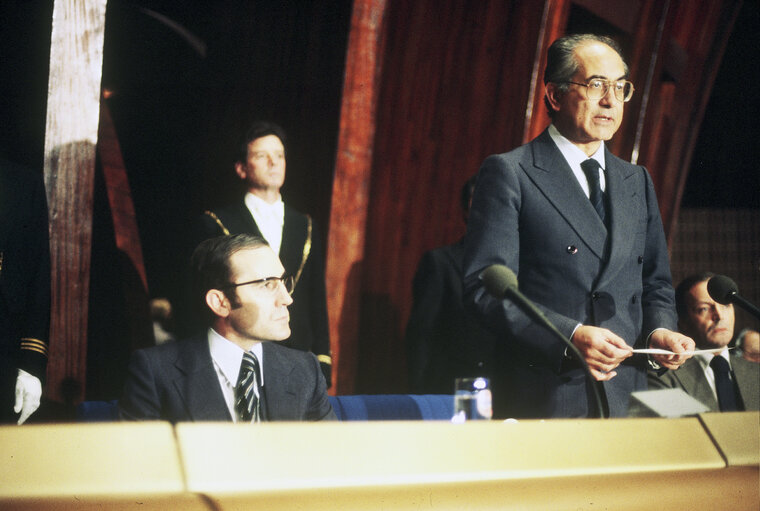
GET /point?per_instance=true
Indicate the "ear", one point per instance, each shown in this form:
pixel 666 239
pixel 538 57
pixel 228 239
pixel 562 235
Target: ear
pixel 553 95
pixel 240 170
pixel 218 303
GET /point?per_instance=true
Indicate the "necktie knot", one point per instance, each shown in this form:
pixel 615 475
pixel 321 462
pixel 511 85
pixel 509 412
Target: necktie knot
pixel 719 365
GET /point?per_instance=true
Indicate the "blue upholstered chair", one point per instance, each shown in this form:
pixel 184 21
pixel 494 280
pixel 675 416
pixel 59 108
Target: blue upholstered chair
pixel 385 407
pixel 381 407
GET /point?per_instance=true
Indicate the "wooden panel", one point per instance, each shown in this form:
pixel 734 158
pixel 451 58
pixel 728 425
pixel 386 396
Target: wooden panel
pixel 92 466
pixel 76 55
pixel 737 435
pixel 690 52
pixel 454 89
pixel 625 464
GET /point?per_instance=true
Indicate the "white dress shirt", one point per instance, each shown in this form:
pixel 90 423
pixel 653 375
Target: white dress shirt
pixel 574 157
pixel 227 357
pixel 269 217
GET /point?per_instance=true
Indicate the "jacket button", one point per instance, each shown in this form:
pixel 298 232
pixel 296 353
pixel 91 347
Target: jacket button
pixel 640 259
pixel 594 295
pixel 571 249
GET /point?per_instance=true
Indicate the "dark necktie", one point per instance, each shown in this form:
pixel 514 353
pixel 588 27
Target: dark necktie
pixel 246 402
pixel 724 387
pixel 591 169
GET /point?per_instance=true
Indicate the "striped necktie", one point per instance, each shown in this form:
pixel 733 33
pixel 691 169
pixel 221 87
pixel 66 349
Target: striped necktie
pixel 246 402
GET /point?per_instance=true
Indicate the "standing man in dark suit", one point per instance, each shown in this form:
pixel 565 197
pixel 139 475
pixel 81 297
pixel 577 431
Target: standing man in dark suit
pixel 261 166
pixel 711 325
pixel 444 340
pixel 581 229
pixel 24 291
pixel 237 370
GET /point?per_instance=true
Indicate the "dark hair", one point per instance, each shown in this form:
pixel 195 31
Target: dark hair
pixel 562 64
pixel 210 263
pixel 683 289
pixel 257 130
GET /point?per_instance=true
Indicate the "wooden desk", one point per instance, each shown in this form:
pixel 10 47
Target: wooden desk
pixel 562 464
pixel 92 466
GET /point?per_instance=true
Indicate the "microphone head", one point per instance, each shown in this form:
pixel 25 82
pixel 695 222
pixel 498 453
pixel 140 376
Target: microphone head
pixel 497 278
pixel 721 289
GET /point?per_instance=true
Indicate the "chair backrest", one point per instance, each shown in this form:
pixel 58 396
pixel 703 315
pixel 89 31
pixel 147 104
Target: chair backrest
pixel 97 411
pixel 363 407
pixel 387 407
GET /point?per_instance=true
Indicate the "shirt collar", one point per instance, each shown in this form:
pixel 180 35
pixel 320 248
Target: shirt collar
pixel 260 206
pixel 228 356
pixel 571 152
pixel 705 358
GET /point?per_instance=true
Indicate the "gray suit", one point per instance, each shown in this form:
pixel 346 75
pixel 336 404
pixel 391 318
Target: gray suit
pixel 530 214
pixel 691 378
pixel 177 382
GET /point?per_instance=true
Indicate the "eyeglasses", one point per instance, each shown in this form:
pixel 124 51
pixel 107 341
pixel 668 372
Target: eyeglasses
pixel 597 88
pixel 271 284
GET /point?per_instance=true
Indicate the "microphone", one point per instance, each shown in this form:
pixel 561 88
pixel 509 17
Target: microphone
pixel 501 282
pixel 724 290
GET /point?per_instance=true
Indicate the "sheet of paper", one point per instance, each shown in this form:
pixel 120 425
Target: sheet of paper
pixel 657 351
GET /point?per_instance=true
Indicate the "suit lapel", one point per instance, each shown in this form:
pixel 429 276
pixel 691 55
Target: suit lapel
pixel 552 175
pixel 746 374
pixel 248 224
pixel 293 238
pixel 279 390
pixel 692 378
pixel 198 384
pixel 622 202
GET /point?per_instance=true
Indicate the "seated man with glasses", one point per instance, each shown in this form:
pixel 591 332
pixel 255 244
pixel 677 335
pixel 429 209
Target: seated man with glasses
pixel 236 370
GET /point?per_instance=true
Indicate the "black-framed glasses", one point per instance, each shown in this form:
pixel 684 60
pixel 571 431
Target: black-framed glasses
pixel 270 283
pixel 596 88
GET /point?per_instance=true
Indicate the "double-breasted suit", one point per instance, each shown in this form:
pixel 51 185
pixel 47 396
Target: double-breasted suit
pixel 530 214
pixel 691 378
pixel 177 382
pixel 308 313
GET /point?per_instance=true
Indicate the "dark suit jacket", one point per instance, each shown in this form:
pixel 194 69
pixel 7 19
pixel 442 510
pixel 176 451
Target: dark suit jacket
pixel 308 313
pixel 530 214
pixel 444 341
pixel 24 278
pixel 177 382
pixel 691 378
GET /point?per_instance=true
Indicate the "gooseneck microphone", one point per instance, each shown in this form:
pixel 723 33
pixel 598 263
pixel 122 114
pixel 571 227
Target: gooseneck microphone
pixel 501 282
pixel 724 290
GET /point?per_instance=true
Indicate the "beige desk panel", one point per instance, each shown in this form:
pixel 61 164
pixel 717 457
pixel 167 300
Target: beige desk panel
pixel 673 491
pixel 737 435
pixel 109 502
pixel 232 458
pixel 88 459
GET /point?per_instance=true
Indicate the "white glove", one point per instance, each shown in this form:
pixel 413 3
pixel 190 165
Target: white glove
pixel 28 394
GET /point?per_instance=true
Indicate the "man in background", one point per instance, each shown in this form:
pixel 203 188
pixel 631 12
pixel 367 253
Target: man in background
pixel 236 370
pixel 444 341
pixel 722 380
pixel 24 291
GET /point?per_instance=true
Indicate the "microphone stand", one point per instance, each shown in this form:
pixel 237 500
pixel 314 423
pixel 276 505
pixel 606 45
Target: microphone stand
pixel 538 316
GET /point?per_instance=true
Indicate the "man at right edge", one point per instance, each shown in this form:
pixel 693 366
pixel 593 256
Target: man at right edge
pixel 598 271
